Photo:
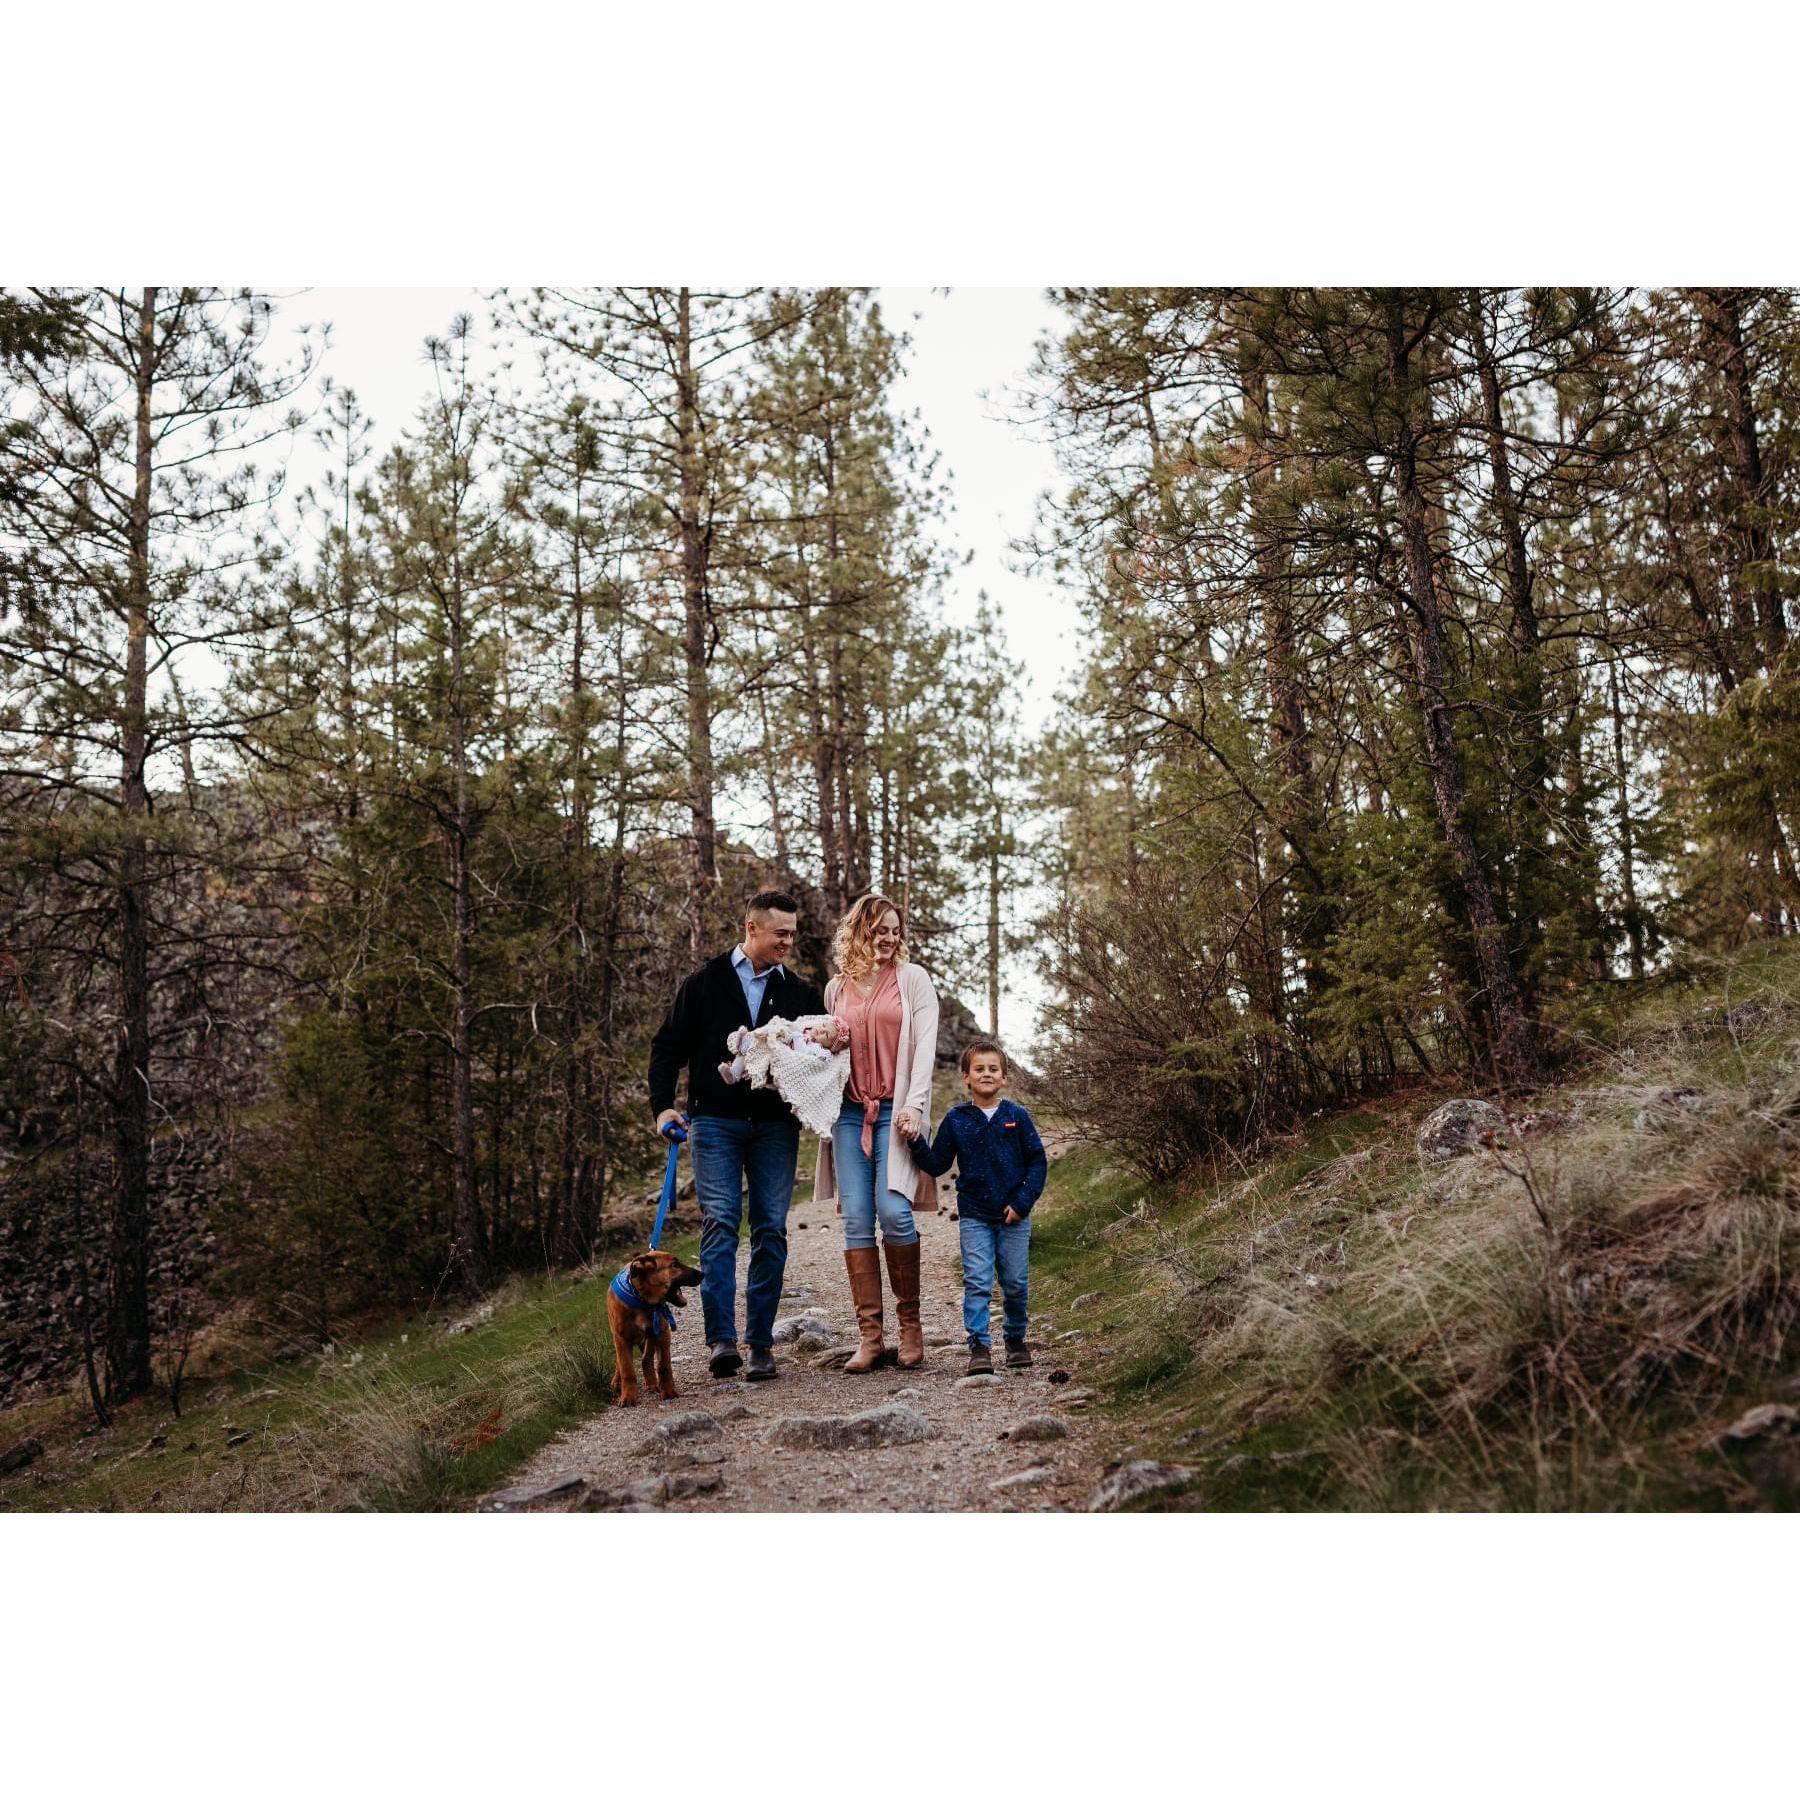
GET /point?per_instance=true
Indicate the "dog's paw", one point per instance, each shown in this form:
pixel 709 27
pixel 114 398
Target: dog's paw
pixel 629 1399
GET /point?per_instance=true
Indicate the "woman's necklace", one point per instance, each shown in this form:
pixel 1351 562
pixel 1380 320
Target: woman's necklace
pixel 874 981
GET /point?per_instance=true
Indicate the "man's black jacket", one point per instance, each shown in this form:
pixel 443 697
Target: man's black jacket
pixel 707 1008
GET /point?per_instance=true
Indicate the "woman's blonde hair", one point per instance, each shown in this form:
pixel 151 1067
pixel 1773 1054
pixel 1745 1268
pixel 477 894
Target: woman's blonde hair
pixel 853 949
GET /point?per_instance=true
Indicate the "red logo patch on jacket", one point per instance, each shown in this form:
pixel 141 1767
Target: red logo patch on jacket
pixel 1009 1124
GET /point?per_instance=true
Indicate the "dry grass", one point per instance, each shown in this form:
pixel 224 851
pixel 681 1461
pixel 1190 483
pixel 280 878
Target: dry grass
pixel 1564 1320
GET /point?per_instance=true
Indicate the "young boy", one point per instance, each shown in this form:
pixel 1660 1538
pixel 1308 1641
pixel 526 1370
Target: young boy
pixel 1000 1170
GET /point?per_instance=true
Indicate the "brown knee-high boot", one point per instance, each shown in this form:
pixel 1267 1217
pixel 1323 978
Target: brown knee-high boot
pixel 865 1293
pixel 903 1273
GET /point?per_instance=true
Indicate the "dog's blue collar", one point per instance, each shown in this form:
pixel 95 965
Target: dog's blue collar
pixel 661 1314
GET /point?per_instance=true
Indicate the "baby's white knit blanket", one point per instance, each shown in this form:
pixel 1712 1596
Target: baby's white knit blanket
pixel 812 1085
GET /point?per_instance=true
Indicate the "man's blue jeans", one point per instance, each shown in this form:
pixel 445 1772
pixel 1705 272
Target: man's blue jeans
pixel 988 1247
pixel 730 1155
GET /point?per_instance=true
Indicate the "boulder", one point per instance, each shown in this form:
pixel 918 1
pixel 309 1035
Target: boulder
pixel 880 1427
pixel 1136 1481
pixel 1135 1220
pixel 1765 1444
pixel 679 1429
pixel 1025 1478
pixel 1081 1300
pixel 703 1457
pixel 1668 1106
pixel 651 1494
pixel 1455 1129
pixel 20 1455
pixel 981 1381
pixel 1748 1018
pixel 1275 1231
pixel 524 1499
pixel 1040 1428
pixel 800 1325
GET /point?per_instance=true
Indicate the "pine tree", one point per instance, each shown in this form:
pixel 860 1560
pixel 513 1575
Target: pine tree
pixel 135 508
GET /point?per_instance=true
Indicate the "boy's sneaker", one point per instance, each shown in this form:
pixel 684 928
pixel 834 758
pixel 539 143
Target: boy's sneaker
pixel 1017 1355
pixel 981 1360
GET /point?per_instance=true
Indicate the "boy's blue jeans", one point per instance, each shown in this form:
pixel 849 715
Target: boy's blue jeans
pixel 730 1155
pixel 987 1247
pixel 862 1182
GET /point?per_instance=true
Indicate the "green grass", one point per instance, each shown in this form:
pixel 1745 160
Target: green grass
pixel 1333 1327
pixel 405 1418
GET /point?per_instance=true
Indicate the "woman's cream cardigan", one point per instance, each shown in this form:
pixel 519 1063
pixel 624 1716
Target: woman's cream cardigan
pixel 912 1088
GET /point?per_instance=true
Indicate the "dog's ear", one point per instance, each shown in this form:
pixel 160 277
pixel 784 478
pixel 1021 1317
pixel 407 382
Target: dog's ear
pixel 650 1275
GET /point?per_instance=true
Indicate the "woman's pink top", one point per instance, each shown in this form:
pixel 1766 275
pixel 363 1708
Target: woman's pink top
pixel 873 1024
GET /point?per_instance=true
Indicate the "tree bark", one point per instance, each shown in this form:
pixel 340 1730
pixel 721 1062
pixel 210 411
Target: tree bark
pixel 1753 573
pixel 1515 1050
pixel 465 1201
pixel 1534 771
pixel 704 876
pixel 128 1340
pixel 561 1231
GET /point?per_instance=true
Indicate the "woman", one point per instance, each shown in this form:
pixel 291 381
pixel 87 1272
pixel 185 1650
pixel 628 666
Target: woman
pixel 887 1010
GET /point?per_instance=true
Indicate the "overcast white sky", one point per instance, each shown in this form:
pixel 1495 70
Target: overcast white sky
pixel 966 344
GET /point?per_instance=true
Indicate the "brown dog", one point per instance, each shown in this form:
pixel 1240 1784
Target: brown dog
pixel 653 1283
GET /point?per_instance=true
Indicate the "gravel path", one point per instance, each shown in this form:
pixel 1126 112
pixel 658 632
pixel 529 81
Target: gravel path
pixel 711 1450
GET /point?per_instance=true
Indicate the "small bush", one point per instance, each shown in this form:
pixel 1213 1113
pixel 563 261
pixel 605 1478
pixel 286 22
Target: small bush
pixel 577 1372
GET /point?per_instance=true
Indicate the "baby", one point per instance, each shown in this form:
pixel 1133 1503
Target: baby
pixel 777 1031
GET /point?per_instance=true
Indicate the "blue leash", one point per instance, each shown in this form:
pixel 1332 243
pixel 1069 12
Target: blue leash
pixel 677 1136
pixel 662 1317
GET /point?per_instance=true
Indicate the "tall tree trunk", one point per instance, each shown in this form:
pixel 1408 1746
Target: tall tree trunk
pixel 1754 575
pixel 1516 1058
pixel 995 825
pixel 1634 917
pixel 770 761
pixel 1528 718
pixel 1298 810
pixel 704 877
pixel 561 1229
pixel 465 1201
pixel 831 860
pixel 128 1338
pixel 611 917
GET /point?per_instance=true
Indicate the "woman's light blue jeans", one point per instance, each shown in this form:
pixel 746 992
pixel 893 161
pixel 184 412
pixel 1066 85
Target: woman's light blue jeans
pixel 862 1182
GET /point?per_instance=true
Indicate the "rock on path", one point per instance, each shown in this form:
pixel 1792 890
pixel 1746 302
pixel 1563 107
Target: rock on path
pixel 821 1440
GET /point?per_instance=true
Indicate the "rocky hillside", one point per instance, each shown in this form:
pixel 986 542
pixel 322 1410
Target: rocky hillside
pixel 40 1251
pixel 1587 1300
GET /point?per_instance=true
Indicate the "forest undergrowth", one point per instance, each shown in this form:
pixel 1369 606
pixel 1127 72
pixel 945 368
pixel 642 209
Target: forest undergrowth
pixel 415 1413
pixel 1569 1318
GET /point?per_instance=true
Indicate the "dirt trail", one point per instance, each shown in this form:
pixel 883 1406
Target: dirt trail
pixel 725 1463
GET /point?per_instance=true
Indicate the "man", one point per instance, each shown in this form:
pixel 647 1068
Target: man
pixel 739 1136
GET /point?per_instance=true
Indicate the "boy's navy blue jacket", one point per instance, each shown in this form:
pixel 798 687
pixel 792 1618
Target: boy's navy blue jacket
pixel 1000 1162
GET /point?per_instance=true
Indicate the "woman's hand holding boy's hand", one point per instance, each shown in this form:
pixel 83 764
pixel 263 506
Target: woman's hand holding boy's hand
pixel 906 1122
pixel 1011 1216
